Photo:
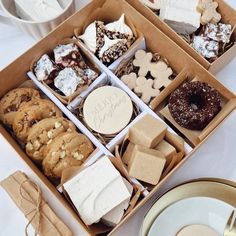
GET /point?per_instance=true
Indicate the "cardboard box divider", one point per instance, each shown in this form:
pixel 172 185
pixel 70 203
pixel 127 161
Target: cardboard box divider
pixel 228 17
pixel 156 41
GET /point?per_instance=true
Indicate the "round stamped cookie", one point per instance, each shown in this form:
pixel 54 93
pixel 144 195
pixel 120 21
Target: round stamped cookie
pixel 107 110
pixel 31 113
pixel 67 150
pixel 11 102
pixel 196 230
pixel 42 133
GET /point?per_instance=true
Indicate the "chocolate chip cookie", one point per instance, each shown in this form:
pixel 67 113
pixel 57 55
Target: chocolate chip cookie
pixel 67 150
pixel 12 101
pixel 43 133
pixel 31 113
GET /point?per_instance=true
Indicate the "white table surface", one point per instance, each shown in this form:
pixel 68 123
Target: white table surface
pixel 215 158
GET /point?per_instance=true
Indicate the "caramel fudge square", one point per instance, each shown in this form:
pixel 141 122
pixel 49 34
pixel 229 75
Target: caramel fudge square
pixel 147 132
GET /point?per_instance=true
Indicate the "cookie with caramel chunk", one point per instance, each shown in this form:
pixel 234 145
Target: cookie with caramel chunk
pixel 12 101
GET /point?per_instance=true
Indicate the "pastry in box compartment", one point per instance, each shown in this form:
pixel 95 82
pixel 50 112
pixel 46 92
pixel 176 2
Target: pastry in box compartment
pixel 195 105
pixel 146 73
pixel 66 71
pixel 48 138
pixel 107 40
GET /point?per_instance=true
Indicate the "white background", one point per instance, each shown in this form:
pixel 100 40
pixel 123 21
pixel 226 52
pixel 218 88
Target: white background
pixel 215 158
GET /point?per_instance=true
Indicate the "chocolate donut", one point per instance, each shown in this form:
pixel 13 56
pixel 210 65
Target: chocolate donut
pixel 194 104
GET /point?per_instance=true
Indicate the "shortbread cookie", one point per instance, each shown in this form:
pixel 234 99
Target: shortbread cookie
pixel 12 101
pixel 143 60
pixel 145 89
pixel 69 149
pixel 130 80
pixel 209 13
pixel 43 133
pixel 31 113
pixel 162 75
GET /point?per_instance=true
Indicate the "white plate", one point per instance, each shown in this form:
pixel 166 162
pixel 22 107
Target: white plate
pixel 196 210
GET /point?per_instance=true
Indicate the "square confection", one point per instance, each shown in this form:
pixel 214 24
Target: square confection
pixel 146 164
pixel 97 190
pixel 147 132
pixel 167 149
pixel 128 153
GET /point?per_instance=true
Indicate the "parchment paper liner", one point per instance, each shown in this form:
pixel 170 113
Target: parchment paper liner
pixel 88 60
pixel 73 171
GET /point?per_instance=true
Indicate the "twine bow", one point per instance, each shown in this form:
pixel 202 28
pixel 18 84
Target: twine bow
pixel 37 211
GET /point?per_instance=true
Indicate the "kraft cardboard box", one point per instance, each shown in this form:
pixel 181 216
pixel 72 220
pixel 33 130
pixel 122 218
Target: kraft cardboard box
pixel 228 17
pixel 16 73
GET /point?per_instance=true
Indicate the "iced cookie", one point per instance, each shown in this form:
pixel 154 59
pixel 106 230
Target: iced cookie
pixel 31 113
pixel 45 69
pixel 145 88
pixel 69 149
pixel 208 10
pixel 107 110
pixel 43 133
pixel 12 101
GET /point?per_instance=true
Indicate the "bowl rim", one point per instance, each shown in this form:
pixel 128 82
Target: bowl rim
pixel 13 17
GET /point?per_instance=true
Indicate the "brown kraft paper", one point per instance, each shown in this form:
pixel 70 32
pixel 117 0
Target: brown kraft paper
pixel 28 198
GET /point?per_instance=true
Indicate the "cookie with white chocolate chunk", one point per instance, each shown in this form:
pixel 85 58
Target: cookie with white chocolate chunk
pixel 43 133
pixel 69 149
